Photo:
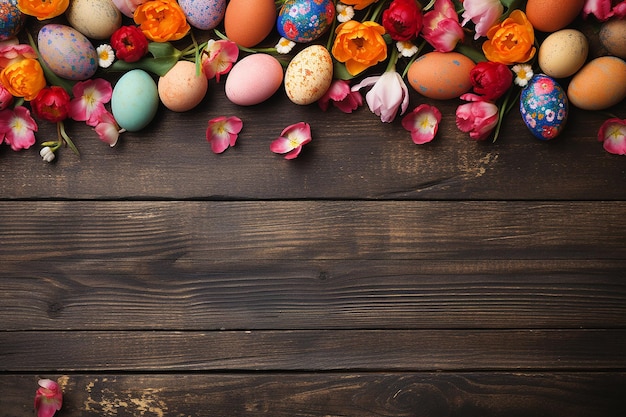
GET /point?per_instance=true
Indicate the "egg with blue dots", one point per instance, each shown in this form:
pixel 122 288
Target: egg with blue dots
pixel 203 14
pixel 67 52
pixel 544 107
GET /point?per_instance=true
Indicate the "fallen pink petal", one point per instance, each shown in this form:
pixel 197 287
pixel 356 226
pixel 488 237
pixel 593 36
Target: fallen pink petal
pixel 17 128
pixel 292 139
pixel 48 399
pixel 423 123
pixel 612 134
pixel 223 132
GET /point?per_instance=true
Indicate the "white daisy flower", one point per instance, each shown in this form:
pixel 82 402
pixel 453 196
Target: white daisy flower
pixel 523 74
pixel 284 46
pixel 345 13
pixel 106 55
pixel 406 48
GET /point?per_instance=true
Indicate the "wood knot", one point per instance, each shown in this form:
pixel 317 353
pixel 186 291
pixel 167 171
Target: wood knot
pixel 323 276
pixel 55 309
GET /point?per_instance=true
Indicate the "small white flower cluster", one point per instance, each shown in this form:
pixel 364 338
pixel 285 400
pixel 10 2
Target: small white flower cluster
pixel 47 154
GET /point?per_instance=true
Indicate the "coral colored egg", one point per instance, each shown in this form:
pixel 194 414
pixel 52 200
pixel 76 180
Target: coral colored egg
pixel 248 22
pixel 441 75
pixel 67 52
pixel 600 84
pixel 305 20
pixel 544 107
pixel 551 15
pixel 135 100
pixel 203 14
pixel 182 88
pixel 12 19
pixel 253 79
pixel 309 75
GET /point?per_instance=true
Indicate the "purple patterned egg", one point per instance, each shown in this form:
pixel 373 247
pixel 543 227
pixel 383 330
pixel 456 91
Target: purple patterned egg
pixel 544 107
pixel 11 19
pixel 67 52
pixel 203 14
pixel 305 20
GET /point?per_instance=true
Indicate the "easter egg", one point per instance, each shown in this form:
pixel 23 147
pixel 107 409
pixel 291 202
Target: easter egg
pixel 11 18
pixel 613 37
pixel 253 79
pixel 203 14
pixel 309 75
pixel 248 22
pixel 182 88
pixel 96 19
pixel 67 52
pixel 550 15
pixel 135 100
pixel 563 53
pixel 544 107
pixel 305 20
pixel 441 75
pixel 600 84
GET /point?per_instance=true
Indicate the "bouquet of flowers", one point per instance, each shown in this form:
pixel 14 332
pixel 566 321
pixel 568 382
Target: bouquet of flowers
pixel 492 55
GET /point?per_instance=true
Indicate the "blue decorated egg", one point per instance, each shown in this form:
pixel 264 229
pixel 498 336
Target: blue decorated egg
pixel 203 14
pixel 11 19
pixel 544 107
pixel 67 52
pixel 305 20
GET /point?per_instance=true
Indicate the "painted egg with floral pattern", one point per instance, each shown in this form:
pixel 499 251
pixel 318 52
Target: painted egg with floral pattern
pixel 203 14
pixel 11 19
pixel 544 107
pixel 305 20
pixel 67 52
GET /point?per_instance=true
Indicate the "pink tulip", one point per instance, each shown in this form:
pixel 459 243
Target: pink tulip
pixel 341 96
pixel 423 123
pixel 478 117
pixel 612 134
pixel 441 27
pixel 107 129
pixel 483 13
pixel 90 96
pixel 48 399
pixel 388 94
pixel 218 58
pixel 601 9
pixel 17 128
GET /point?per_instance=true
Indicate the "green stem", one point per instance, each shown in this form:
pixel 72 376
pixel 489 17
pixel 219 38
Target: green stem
pixel 66 138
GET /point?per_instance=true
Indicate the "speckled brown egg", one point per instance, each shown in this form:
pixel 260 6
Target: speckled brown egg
pixel 441 75
pixel 309 75
pixel 613 37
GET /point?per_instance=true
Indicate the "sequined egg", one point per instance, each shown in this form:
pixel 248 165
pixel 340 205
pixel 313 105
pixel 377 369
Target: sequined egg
pixel 67 52
pixel 203 14
pixel 305 20
pixel 11 19
pixel 544 107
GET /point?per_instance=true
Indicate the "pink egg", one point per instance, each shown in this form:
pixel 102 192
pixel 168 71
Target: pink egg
pixel 254 79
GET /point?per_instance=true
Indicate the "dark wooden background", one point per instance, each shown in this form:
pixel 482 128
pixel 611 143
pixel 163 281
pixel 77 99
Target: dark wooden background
pixel 368 277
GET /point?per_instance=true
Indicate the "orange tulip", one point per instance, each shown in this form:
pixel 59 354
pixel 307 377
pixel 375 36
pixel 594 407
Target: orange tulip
pixel 43 9
pixel 161 20
pixel 23 78
pixel 511 41
pixel 359 45
pixel 359 4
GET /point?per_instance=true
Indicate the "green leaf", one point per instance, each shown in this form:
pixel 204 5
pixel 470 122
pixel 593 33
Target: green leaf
pixel 164 57
pixel 470 52
pixel 340 71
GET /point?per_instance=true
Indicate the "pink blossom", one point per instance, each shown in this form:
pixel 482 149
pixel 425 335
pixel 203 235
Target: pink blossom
pixel 601 9
pixel 423 123
pixel 6 98
pixel 441 27
pixel 10 53
pixel 127 7
pixel 90 96
pixel 483 13
pixel 612 134
pixel 218 58
pixel 107 129
pixel 478 117
pixel 619 10
pixel 223 132
pixel 342 97
pixel 48 399
pixel 292 139
pixel 388 95
pixel 17 128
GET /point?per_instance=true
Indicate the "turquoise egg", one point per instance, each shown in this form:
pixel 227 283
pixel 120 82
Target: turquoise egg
pixel 305 20
pixel 203 14
pixel 135 100
pixel 67 52
pixel 544 107
pixel 11 19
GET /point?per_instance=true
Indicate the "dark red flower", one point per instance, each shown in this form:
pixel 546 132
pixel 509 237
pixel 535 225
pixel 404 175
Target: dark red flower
pixel 51 104
pixel 403 20
pixel 129 43
pixel 491 79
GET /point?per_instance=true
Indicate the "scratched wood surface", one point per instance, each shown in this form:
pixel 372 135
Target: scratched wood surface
pixel 369 277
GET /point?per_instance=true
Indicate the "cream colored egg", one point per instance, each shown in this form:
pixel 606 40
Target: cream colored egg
pixel 96 19
pixel 563 53
pixel 308 75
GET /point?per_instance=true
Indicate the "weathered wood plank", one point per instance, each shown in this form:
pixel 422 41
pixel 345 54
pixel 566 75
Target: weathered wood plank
pixel 323 350
pixel 329 294
pixel 321 395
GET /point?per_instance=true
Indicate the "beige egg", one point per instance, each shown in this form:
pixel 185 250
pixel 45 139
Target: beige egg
pixel 182 88
pixel 613 37
pixel 309 75
pixel 96 19
pixel 563 53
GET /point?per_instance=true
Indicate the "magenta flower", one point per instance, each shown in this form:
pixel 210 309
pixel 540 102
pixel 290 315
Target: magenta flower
pixel 341 96
pixel 107 129
pixel 90 96
pixel 6 98
pixel 48 399
pixel 442 28
pixel 223 132
pixel 612 134
pixel 17 128
pixel 478 117
pixel 292 139
pixel 423 123
pixel 601 9
pixel 388 95
pixel 483 13
pixel 218 58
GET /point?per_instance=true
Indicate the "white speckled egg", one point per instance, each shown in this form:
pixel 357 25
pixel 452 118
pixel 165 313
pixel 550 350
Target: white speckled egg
pixel 12 19
pixel 96 19
pixel 135 100
pixel 309 75
pixel 203 14
pixel 253 79
pixel 67 52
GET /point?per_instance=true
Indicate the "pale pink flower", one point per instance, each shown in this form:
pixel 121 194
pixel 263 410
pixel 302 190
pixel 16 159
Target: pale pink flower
pixel 478 117
pixel 223 132
pixel 441 27
pixel 292 139
pixel 48 399
pixel 218 58
pixel 107 129
pixel 341 96
pixel 423 123
pixel 388 94
pixel 612 134
pixel 6 98
pixel 601 9
pixel 90 96
pixel 483 13
pixel 10 53
pixel 17 128
pixel 127 7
